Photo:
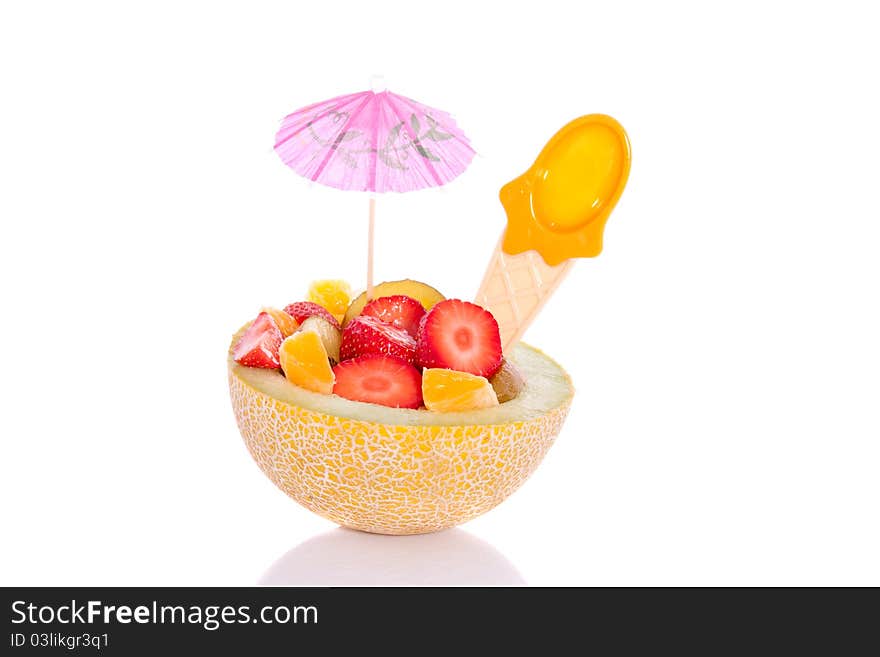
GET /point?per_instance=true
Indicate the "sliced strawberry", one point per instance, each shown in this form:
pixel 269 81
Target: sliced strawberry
pixel 400 310
pixel 302 310
pixel 368 335
pixel 258 346
pixel 378 379
pixel 460 336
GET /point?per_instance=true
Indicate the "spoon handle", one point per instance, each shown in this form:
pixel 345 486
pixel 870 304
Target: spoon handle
pixel 515 289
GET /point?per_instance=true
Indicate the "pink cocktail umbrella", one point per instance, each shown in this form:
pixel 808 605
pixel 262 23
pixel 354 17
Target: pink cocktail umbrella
pixel 373 141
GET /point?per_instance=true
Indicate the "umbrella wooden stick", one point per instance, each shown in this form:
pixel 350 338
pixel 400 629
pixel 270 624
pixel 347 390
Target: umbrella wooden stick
pixel 370 233
pixel 377 84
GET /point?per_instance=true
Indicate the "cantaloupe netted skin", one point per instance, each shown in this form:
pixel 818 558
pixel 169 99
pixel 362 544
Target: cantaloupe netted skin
pixel 419 472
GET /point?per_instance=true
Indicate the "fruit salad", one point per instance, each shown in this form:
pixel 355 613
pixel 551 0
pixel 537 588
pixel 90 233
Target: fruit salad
pixel 406 347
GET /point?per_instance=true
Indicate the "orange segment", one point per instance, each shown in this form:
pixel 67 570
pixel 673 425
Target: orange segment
pixel 448 390
pixel 331 337
pixel 334 295
pixel 286 324
pixel 305 363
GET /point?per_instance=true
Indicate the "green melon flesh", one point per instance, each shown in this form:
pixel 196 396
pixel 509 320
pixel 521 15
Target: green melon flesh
pixel 547 387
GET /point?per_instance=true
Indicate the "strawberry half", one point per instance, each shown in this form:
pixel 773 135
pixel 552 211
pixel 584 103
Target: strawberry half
pixel 258 346
pixel 368 335
pixel 460 336
pixel 399 310
pixel 302 310
pixel 378 379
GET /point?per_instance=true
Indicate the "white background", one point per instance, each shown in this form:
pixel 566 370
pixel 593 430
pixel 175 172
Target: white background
pixel 724 346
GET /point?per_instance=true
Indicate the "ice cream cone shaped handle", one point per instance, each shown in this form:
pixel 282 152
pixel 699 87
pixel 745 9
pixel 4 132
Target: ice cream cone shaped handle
pixel 556 211
pixel 515 289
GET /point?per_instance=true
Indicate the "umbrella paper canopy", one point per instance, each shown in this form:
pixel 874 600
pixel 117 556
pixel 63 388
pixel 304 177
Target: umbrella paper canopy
pixel 377 142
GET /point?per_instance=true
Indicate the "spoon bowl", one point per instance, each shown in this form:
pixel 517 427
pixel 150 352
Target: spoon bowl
pixel 559 206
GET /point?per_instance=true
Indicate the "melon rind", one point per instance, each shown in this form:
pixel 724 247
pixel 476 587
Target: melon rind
pixel 398 471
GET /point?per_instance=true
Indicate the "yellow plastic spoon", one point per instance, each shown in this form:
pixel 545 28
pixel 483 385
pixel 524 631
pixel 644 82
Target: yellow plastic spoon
pixel 556 211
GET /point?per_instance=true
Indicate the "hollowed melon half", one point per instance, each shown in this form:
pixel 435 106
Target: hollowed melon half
pixel 398 471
